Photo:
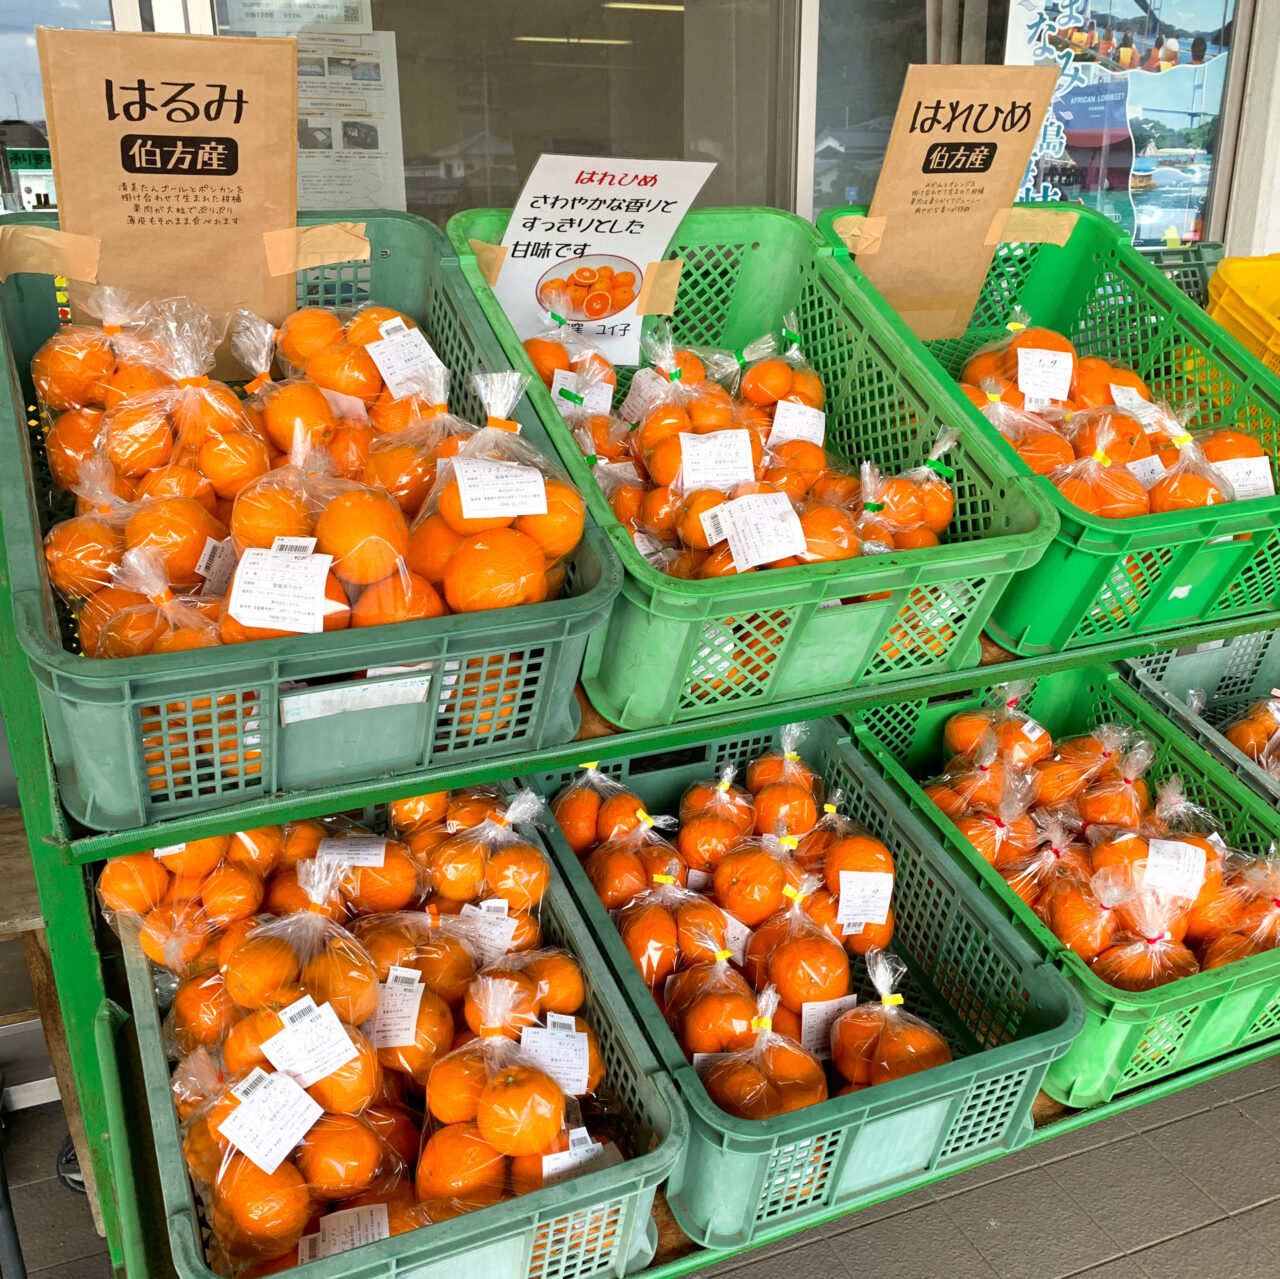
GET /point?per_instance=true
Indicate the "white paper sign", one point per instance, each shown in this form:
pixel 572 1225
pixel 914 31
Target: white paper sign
pixel 1174 868
pixel 865 896
pixel 216 565
pixel 494 927
pixel 761 528
pixel 1147 470
pixel 320 703
pixel 399 998
pixel 1125 397
pixel 792 421
pixel 1044 376
pixel 1249 477
pixel 579 213
pixel 274 1114
pixel 816 1019
pixel 717 460
pixel 646 387
pixel 499 488
pixel 593 397
pixel 583 1154
pixel 343 1230
pixel 354 850
pixel 403 356
pixel 312 1044
pixel 736 936
pixel 280 592
pixel 563 1054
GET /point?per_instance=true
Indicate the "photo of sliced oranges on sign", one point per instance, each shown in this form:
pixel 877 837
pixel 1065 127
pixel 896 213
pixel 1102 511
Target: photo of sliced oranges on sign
pixel 589 288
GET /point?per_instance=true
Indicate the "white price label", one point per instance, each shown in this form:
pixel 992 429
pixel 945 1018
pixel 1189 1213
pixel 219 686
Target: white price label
pixel 1044 376
pixel 165 850
pixel 699 880
pixel 346 1229
pixel 717 460
pixel 1032 731
pixel 490 488
pixel 1174 868
pixel 646 388
pixel 399 999
pixel 761 528
pixel 865 896
pixel 280 592
pixel 580 1157
pixel 494 928
pixel 702 1062
pixel 589 396
pixel 1249 477
pixel 1147 470
pixel 816 1019
pixel 312 1044
pixel 792 421
pixel 293 545
pixel 274 1114
pixel 1131 400
pixel 216 565
pixel 736 936
pixel 354 850
pixel 563 1054
pixel 320 703
pixel 403 356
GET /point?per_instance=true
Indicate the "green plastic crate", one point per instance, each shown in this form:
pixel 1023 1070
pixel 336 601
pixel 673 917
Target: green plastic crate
pixel 122 762
pixel 599 1224
pixel 1233 674
pixel 1006 1015
pixel 676 650
pixel 1103 579
pixel 1187 267
pixel 1130 1039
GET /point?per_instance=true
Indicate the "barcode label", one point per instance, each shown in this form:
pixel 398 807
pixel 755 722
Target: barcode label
pixel 494 928
pixel 248 1087
pixel 294 545
pixel 274 1114
pixel 216 565
pixel 399 998
pixel 312 1045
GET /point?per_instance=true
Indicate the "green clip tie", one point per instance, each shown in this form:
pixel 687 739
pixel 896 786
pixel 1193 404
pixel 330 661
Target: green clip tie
pixel 942 468
pixel 791 337
pixel 873 506
pixel 676 375
pixel 591 459
pixel 559 319
pixel 741 356
pixel 572 396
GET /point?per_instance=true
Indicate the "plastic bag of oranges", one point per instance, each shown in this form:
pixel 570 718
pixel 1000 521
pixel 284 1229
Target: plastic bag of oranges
pixel 1077 762
pixel 666 928
pixel 880 1041
pixel 1254 733
pixel 713 817
pixel 196 1077
pixel 1003 833
pixel 1189 480
pixel 1101 486
pixel 773 1076
pixel 594 808
pixel 752 879
pixel 921 500
pixel 1147 954
pixel 710 1007
pixel 160 622
pixel 769 369
pixel 443 949
pixel 1121 798
pixel 625 492
pixel 562 348
pixel 1034 439
pixel 82 554
pixel 1019 738
pixel 404 461
pixel 427 398
pixel 1100 383
pixel 1059 852
pixel 1037 364
pixel 500 521
pixel 633 860
pixel 786 769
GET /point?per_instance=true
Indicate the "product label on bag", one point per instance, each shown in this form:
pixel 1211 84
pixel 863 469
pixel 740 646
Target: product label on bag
pixel 1249 477
pixel 562 1052
pixel 399 998
pixel 312 1044
pixel 1043 375
pixel 792 421
pixel 1146 470
pixel 761 528
pixel 494 927
pixel 717 460
pixel 274 1114
pixel 1174 868
pixel 403 356
pixel 736 936
pixel 216 565
pixel 592 396
pixel 584 1153
pixel 280 591
pixel 166 850
pixel 489 488
pixel 699 880
pixel 354 850
pixel 816 1020
pixel 1150 415
pixel 343 1230
pixel 865 896
pixel 702 1062
pixel 646 387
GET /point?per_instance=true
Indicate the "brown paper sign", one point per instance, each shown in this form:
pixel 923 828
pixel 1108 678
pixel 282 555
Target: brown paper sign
pixel 177 153
pixel 659 287
pixel 960 145
pixel 46 251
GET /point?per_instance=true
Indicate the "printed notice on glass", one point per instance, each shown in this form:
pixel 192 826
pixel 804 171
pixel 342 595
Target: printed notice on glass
pixel 280 592
pixel 817 1016
pixel 312 1044
pixel 289 17
pixel 592 224
pixel 792 421
pixel 1174 868
pixel 399 998
pixel 274 1114
pixel 403 356
pixel 865 896
pixel 717 460
pixel 499 488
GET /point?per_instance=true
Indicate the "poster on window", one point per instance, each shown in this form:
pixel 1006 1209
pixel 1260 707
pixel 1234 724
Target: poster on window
pixel 1133 129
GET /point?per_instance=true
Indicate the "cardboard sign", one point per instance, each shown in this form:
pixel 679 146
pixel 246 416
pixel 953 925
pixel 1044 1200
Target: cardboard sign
pixel 177 153
pixel 585 241
pixel 960 144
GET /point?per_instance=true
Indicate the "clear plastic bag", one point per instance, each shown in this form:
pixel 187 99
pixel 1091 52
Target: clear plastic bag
pixel 1148 955
pixel 1039 363
pixel 878 1042
pixel 796 955
pixel 1123 798
pixel 1253 733
pixel 667 927
pixel 710 1007
pixel 1036 441
pixel 83 554
pixel 784 766
pixel 76 367
pixel 561 346
pixel 1080 910
pixel 774 1076
pixel 1019 738
pixel 1190 482
pixel 1100 485
pixel 1059 852
pixel 626 864
pixel 594 808
pixel 713 816
pixel 1003 833
pixel 1076 763
pixel 162 622
pixel 1100 383
pixel 751 880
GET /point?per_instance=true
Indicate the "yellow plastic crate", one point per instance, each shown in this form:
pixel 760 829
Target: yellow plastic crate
pixel 1244 297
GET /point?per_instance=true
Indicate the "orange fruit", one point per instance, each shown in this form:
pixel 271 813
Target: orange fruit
pixel 432 1036
pixel 268 1211
pixel 785 808
pixel 617 874
pixel 74 439
pixel 500 568
pixel 1225 446
pixel 1043 451
pixel 559 982
pixel 257 850
pixel 749 881
pixel 392 886
pixel 196 856
pixel 1182 492
pixel 808 967
pixel 507 996
pixel 766 382
pixel 133 884
pixel 418 810
pixel 259 970
pixel 229 894
pixel 560 529
pixel 365 532
pixel 82 554
pixel 232 460
pixel 446 965
pixel 1120 435
pixel 457 868
pixel 350 1088
pixel 705 838
pixel 263 512
pixel 398 1129
pixel 715 1020
pixel 306 332
pixel 346 369
pixel 177 528
pixel 519 874
pixel 339 1156
pixel 459 1171
pixel 296 414
pixel 343 975
pixel 546 356
pixel 365 326
pixel 648 931
pixel 829 534
pixel 577 811
pixel 401 597
pixel 454 1085
pixel 201 413
pixel 71 367
pixel 689 517
pixel 129 381
pixel 172 936
pixel 521 1110
pixel 177 481
pixel 431 545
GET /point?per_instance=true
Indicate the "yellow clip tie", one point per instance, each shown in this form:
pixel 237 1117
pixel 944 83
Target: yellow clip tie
pixel 664 879
pixel 590 764
pixel 890 1000
pixel 1101 458
pixel 828 808
pixel 762 1023
pixel 1184 438
pixel 789 841
pixel 1015 326
pixel 794 893
pixel 993 397
pixel 723 954
pixel 645 820
pixel 792 756
pixel 723 787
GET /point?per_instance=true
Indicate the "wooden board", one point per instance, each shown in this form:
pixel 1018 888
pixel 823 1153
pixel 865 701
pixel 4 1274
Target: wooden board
pixel 20 907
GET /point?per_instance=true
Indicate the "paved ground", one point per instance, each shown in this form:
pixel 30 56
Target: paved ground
pixel 1187 1188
